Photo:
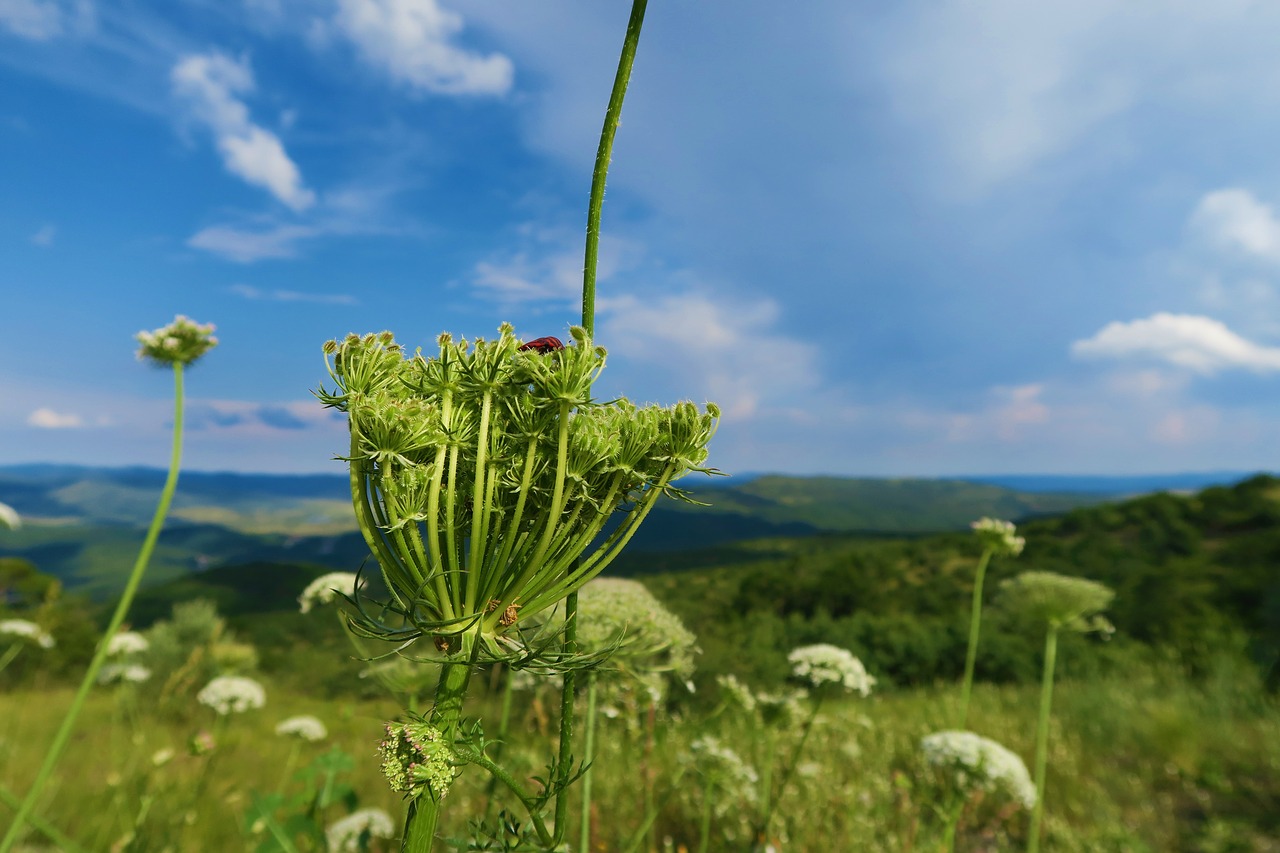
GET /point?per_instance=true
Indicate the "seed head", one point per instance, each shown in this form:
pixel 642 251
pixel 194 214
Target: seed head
pixel 181 342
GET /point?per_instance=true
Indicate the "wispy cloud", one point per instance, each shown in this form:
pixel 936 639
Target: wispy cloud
pixel 41 20
pixel 246 245
pixel 547 266
pixel 1197 343
pixel 256 419
pixel 410 40
pixel 256 294
pixel 49 419
pixel 45 235
pixel 211 86
pixel 1235 220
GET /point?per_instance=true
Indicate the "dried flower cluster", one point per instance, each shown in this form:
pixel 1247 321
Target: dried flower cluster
pixel 980 762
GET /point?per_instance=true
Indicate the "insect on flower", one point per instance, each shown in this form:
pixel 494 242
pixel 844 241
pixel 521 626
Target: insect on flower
pixel 542 345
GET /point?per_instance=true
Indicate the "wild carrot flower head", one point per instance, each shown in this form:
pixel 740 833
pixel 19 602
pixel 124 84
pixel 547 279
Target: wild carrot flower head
pixel 326 588
pixel 353 832
pixel 734 780
pixel 978 762
pixel 9 517
pixel 232 694
pixel 27 630
pixel 824 665
pixel 1061 601
pixel 417 760
pixel 124 673
pixel 303 726
pixel 181 342
pixel 126 644
pixel 999 536
pixel 481 476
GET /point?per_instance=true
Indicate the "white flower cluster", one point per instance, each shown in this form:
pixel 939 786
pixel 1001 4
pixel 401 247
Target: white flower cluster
pixel 303 726
pixel 999 536
pixel 29 630
pixel 131 673
pixel 735 781
pixel 181 342
pixel 648 637
pixel 824 664
pixel 9 517
pixel 325 589
pixel 127 643
pixel 1062 601
pixel 982 762
pixel 737 692
pixel 232 694
pixel 344 835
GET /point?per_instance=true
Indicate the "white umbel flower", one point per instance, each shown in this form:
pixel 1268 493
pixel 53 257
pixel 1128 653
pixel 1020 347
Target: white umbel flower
pixel 127 643
pixel 981 762
pixel 325 589
pixel 9 517
pixel 344 835
pixel 29 630
pixel 232 694
pixel 303 726
pixel 999 536
pixel 123 672
pixel 824 664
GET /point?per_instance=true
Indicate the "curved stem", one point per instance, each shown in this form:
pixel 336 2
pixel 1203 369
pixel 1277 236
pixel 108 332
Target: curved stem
pixel 975 621
pixel 1042 735
pixel 612 116
pixel 530 803
pixel 117 619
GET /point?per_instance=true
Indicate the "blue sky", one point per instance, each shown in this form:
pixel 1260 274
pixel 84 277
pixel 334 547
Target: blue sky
pixel 919 238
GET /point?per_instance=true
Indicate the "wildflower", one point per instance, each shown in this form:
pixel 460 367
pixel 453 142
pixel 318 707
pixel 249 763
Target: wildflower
pixel 303 726
pixel 202 743
pixel 416 759
pixel 127 643
pixel 326 588
pixel 737 692
pixel 645 636
pixel 998 536
pixel 232 694
pixel 9 517
pixel 179 343
pixel 1061 601
pixel 824 664
pixel 161 757
pixel 734 780
pixel 123 672
pixel 980 762
pixel 29 630
pixel 351 833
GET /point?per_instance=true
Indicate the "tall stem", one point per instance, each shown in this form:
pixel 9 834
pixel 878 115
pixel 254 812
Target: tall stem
pixel 612 116
pixel 1042 735
pixel 565 760
pixel 785 779
pixel 975 623
pixel 117 619
pixel 424 812
pixel 588 754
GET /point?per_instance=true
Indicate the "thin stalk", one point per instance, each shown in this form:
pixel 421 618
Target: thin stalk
pixel 424 812
pixel 504 725
pixel 479 493
pixel 530 803
pixel 975 621
pixel 566 717
pixel 117 619
pixel 787 772
pixel 1042 735
pixel 41 825
pixel 588 753
pixel 10 654
pixel 612 116
pixel 704 827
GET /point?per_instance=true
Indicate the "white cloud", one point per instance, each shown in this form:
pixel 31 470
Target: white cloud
pixel 548 266
pixel 1201 344
pixel 210 85
pixel 246 246
pixel 44 236
pixel 409 40
pixel 41 20
pixel 255 294
pixel 49 419
pixel 724 350
pixel 1234 219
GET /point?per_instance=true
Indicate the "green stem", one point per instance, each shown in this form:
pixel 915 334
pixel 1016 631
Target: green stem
pixel 1042 735
pixel 565 763
pixel 975 622
pixel 117 618
pixel 787 772
pixel 612 116
pixel 10 654
pixel 530 803
pixel 588 753
pixel 424 812
pixel 504 724
pixel 704 827
pixel 42 826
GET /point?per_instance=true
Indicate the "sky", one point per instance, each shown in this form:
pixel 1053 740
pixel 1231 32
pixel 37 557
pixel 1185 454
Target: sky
pixel 911 239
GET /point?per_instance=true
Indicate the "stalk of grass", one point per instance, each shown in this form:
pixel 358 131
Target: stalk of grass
pixel 117 619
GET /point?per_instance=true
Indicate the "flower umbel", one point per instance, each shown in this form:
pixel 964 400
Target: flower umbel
pixel 181 342
pixel 351 833
pixel 126 644
pixel 27 630
pixel 417 760
pixel 326 588
pixel 481 476
pixel 1062 601
pixel 980 762
pixel 998 536
pixel 232 694
pixel 303 726
pixel 824 665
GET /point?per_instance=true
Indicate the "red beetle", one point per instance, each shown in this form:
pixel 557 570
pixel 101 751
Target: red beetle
pixel 542 345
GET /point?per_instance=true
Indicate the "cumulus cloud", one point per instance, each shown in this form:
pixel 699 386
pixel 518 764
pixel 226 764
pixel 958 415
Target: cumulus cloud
pixel 255 294
pixel 41 20
pixel 49 419
pixel 246 246
pixel 211 86
pixel 410 41
pixel 1235 220
pixel 723 349
pixel 1201 344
